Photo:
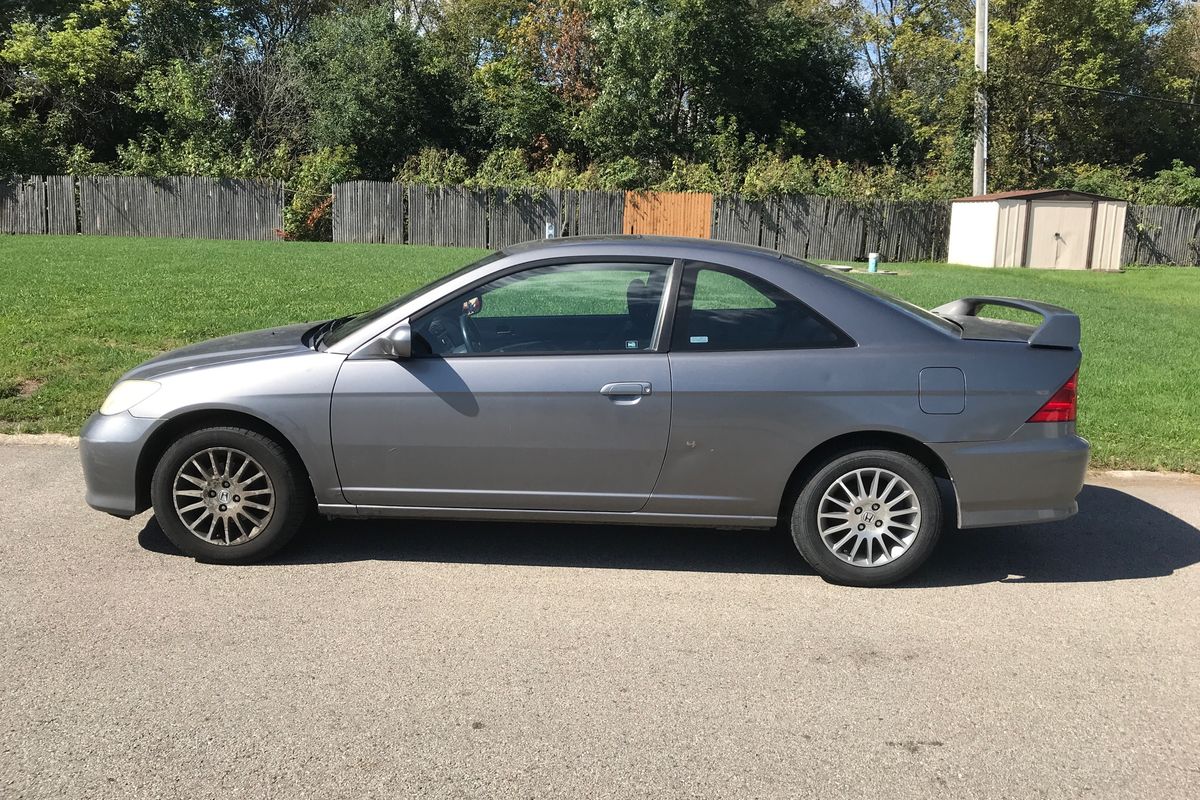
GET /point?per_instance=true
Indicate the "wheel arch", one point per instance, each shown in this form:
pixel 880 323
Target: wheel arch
pixel 862 440
pixel 186 423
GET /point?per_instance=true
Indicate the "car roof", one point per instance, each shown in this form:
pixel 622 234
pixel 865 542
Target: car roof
pixel 643 245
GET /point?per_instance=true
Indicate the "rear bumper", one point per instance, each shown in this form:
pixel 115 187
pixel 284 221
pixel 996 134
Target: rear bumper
pixel 1033 476
pixel 109 447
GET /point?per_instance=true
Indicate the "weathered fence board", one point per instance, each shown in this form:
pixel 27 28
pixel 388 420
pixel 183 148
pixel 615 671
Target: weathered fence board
pixel 447 216
pixel 372 212
pixel 908 230
pixel 595 213
pixel 1161 235
pixel 187 207
pixel 60 205
pixel 23 205
pixel 521 215
pixel 736 219
pixel 833 229
pixel 375 212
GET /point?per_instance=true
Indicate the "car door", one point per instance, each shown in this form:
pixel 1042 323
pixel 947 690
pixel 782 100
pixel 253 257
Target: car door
pixel 754 386
pixel 546 388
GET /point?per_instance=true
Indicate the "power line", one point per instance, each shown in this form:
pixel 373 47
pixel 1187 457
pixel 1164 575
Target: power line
pixel 1115 93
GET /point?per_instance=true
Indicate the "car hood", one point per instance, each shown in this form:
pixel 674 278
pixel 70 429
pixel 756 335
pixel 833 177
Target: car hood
pixel 267 343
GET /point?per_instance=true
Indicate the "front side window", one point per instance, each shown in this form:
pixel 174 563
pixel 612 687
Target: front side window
pixel 725 309
pixel 553 310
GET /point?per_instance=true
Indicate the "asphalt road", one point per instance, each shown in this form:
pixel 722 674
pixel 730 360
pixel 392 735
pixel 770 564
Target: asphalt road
pixel 472 660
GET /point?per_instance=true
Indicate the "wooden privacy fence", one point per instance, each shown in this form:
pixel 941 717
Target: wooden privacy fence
pixel 38 204
pixel 821 228
pixel 1162 235
pixel 377 212
pixel 809 227
pixel 201 208
pixel 669 214
pixel 194 208
pixel 826 228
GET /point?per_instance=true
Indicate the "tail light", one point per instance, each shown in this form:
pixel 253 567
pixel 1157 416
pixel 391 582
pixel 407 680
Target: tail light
pixel 1060 407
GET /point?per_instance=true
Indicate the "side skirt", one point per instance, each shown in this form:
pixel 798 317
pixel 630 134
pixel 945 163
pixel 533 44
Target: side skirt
pixel 533 515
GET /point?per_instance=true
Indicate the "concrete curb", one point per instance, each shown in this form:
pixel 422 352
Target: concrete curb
pixel 27 439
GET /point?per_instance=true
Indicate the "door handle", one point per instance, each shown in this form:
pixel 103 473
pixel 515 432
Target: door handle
pixel 627 389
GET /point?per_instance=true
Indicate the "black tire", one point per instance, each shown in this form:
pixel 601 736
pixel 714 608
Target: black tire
pixel 806 535
pixel 291 492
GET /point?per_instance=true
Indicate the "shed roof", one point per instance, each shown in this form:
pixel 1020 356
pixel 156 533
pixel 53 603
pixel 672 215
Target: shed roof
pixel 1035 194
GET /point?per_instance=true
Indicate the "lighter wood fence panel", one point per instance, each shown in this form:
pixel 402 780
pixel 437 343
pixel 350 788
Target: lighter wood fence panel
pixel 186 207
pixel 669 214
pixel 1162 235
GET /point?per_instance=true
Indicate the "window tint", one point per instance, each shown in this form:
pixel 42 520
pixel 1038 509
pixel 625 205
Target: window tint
pixel 564 308
pixel 724 309
pixel 716 291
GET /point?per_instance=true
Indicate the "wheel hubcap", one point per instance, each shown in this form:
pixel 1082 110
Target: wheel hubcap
pixel 223 496
pixel 869 517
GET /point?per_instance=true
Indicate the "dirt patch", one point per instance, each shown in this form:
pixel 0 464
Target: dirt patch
pixel 27 387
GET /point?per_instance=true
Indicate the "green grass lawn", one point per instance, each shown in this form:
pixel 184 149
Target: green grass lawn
pixel 76 312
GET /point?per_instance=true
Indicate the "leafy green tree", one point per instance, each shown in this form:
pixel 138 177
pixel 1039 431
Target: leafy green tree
pixel 60 80
pixel 368 86
pixel 668 69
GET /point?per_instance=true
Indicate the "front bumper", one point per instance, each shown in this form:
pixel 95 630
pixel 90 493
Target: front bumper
pixel 1033 476
pixel 109 447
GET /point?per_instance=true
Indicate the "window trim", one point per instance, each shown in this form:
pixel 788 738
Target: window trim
pixel 686 293
pixel 658 343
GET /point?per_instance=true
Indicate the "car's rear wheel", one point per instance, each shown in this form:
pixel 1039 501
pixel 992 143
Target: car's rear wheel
pixel 867 518
pixel 228 495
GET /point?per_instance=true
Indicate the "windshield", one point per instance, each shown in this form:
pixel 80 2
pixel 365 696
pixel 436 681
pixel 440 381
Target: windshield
pixel 889 298
pixel 351 324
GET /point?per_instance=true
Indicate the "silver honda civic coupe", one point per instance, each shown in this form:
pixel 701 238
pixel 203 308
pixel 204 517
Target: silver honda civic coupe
pixel 619 380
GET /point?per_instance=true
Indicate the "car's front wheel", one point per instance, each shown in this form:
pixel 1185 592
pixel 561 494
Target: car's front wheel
pixel 867 518
pixel 228 495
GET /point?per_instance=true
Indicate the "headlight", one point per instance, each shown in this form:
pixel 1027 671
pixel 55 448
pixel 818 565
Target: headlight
pixel 127 394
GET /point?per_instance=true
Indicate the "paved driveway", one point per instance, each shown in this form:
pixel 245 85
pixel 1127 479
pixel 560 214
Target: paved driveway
pixel 456 660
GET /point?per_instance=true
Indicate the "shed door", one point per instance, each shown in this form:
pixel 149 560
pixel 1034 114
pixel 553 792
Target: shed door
pixel 1058 237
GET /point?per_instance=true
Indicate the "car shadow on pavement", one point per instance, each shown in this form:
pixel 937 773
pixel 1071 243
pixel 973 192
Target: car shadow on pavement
pixel 1114 537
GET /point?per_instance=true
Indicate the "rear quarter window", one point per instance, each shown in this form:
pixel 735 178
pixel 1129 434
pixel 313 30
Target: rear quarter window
pixel 722 309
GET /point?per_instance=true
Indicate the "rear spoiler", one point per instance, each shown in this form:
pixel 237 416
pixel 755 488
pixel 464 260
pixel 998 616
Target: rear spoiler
pixel 1059 328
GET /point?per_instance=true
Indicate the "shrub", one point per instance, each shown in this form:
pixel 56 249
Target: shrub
pixel 308 215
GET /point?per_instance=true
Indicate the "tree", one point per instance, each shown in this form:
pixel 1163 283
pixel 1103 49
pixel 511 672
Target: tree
pixel 60 79
pixel 668 69
pixel 367 86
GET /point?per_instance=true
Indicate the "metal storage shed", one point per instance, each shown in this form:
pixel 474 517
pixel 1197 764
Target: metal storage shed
pixel 1047 228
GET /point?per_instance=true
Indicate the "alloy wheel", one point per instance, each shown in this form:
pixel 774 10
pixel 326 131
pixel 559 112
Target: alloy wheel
pixel 869 517
pixel 223 496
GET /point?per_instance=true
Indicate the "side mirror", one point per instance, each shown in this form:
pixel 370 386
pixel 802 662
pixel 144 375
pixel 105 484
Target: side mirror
pixel 397 343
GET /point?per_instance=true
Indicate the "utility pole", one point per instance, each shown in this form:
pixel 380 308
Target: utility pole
pixel 979 174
